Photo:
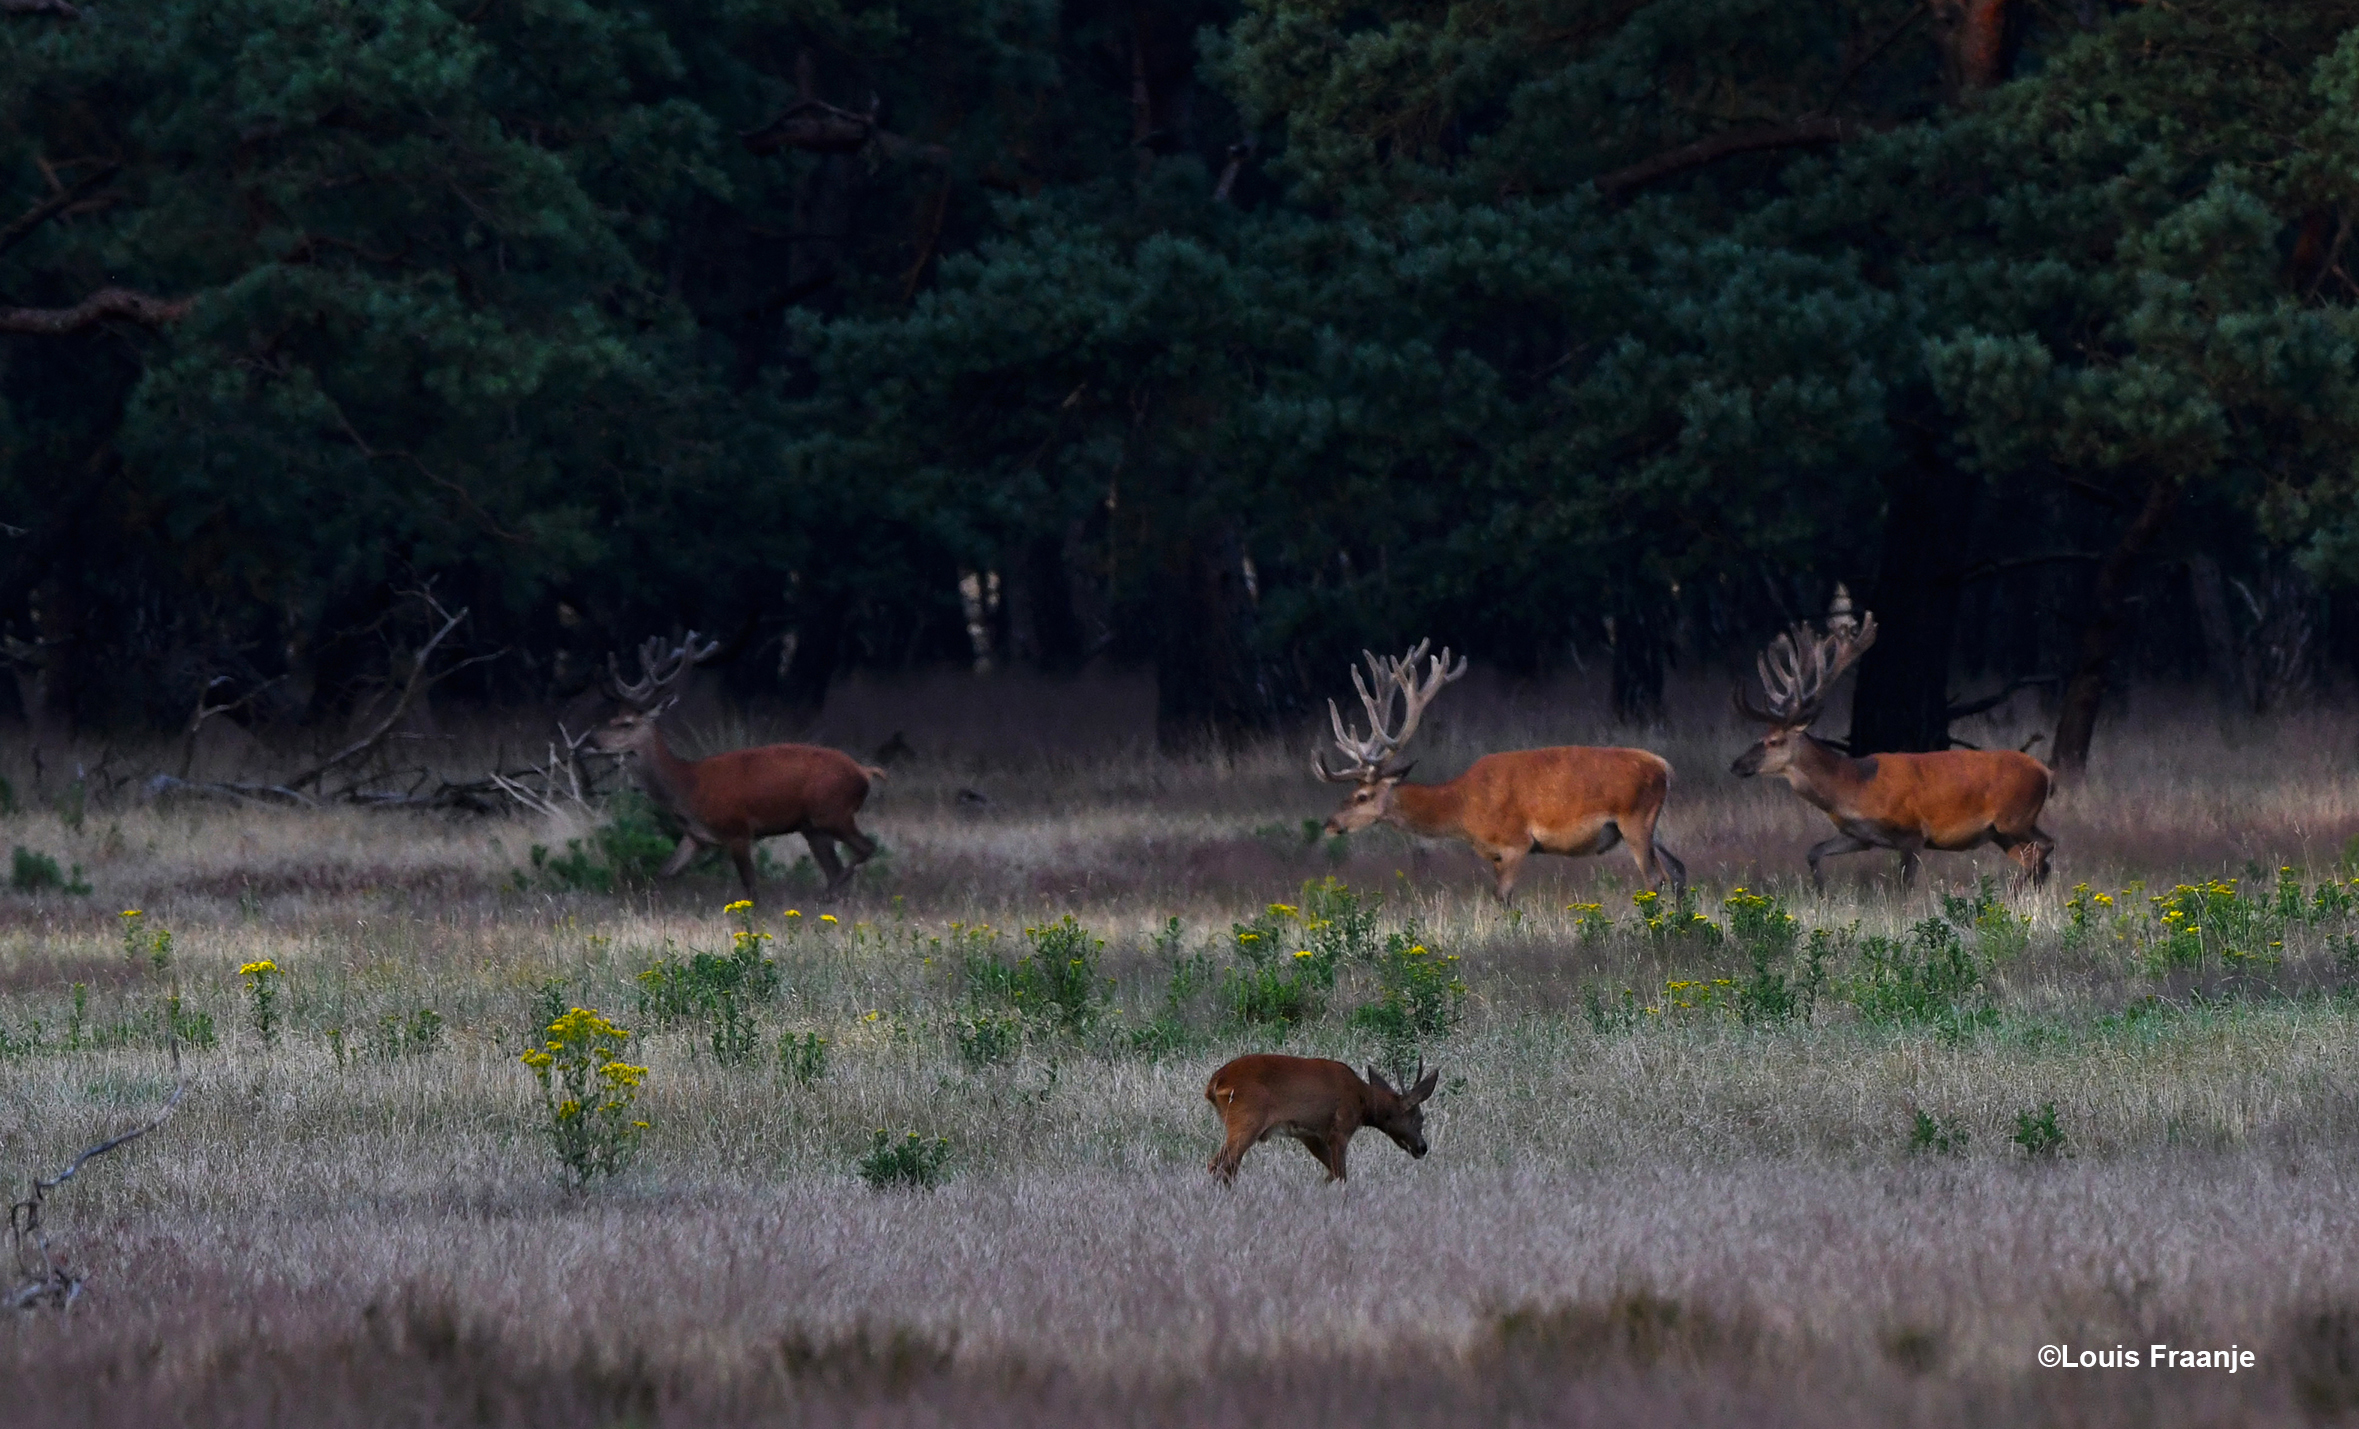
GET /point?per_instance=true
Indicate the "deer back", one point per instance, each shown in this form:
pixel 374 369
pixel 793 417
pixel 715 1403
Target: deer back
pixel 1946 794
pixel 773 789
pixel 1501 797
pixel 1267 1089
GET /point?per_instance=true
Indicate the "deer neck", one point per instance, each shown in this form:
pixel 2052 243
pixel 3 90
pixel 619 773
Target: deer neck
pixel 1433 810
pixel 663 774
pixel 1825 778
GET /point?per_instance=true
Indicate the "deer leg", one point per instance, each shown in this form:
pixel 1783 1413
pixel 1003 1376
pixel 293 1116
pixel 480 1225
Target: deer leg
pixel 681 857
pixel 741 853
pixel 862 846
pixel 1840 843
pixel 823 854
pixel 1338 1145
pixel 1908 868
pixel 1319 1149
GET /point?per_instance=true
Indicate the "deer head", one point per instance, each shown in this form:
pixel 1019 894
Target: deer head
pixel 644 700
pixel 1396 680
pixel 1797 670
pixel 1401 1115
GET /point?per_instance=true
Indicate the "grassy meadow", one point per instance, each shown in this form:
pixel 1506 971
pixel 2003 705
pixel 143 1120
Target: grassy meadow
pixel 1765 1158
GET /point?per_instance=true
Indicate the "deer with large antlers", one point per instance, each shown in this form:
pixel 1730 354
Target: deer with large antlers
pixel 732 801
pixel 1953 799
pixel 1569 800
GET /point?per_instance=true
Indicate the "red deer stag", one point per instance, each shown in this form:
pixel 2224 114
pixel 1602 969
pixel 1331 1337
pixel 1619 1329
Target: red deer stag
pixel 1952 800
pixel 1318 1102
pixel 733 800
pixel 1568 800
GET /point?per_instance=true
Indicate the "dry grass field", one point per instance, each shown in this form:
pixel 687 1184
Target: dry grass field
pixel 1675 1177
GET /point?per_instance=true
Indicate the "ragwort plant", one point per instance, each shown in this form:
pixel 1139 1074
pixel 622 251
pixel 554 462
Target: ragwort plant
pixel 588 1095
pixel 262 980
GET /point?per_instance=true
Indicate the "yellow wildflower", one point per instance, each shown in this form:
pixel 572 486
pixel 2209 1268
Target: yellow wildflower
pixel 260 969
pixel 827 917
pixel 739 906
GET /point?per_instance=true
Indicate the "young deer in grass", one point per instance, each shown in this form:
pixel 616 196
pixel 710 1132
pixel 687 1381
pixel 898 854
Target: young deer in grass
pixel 731 801
pixel 1954 799
pixel 1318 1102
pixel 1569 800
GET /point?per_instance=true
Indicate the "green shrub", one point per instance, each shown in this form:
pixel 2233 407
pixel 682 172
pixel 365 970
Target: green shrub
pixel 576 870
pixel 910 1161
pixel 984 1039
pixel 31 871
pixel 1663 921
pixel 416 1035
pixel 802 1060
pixel 1420 995
pixel 1939 1136
pixel 1607 1016
pixel 1057 981
pixel 1931 978
pixel 2038 1134
pixel 1761 926
pixel 718 988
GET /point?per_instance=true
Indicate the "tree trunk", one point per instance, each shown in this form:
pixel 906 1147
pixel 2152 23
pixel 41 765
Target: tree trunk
pixel 1638 662
pixel 819 647
pixel 2223 661
pixel 1902 702
pixel 2101 634
pixel 1043 629
pixel 1207 689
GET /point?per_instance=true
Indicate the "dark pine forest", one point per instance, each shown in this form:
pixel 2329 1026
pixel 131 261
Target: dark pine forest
pixel 1216 337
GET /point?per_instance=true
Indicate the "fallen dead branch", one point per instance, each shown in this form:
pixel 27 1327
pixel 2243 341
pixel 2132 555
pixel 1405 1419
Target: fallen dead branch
pixel 45 1279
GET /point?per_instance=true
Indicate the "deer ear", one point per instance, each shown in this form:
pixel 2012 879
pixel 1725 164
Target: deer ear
pixel 1397 775
pixel 1418 1094
pixel 1376 1079
pixel 666 703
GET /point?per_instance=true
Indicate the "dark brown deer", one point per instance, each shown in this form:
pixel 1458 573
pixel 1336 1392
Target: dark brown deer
pixel 731 801
pixel 1952 800
pixel 1317 1102
pixel 1568 800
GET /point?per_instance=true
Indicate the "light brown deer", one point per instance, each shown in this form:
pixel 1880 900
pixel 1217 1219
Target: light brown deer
pixel 1318 1102
pixel 1570 800
pixel 1952 800
pixel 731 801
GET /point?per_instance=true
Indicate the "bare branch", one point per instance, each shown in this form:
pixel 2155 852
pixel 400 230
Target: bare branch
pixel 59 8
pixel 1819 129
pixel 421 678
pixel 46 1277
pixel 98 307
pixel 23 225
pixel 817 127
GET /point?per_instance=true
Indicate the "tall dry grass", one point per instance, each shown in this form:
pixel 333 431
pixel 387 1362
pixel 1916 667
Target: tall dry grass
pixel 1695 1221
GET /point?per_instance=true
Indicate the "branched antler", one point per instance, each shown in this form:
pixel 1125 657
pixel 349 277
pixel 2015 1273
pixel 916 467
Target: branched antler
pixel 1395 679
pixel 661 671
pixel 1800 666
